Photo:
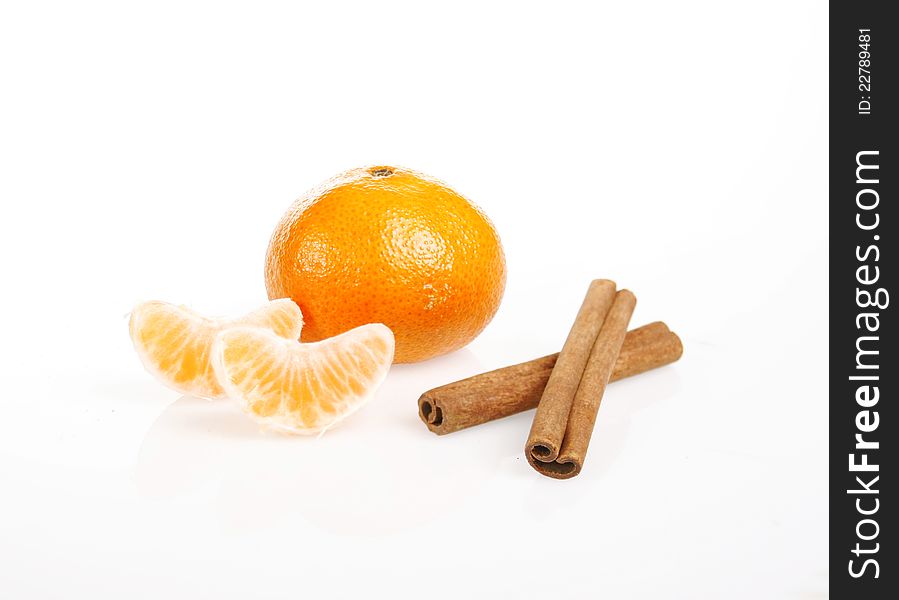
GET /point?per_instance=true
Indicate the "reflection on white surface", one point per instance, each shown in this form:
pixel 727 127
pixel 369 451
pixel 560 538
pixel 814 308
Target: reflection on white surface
pixel 379 472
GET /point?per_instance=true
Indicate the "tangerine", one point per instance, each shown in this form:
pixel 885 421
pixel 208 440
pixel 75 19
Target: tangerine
pixel 389 245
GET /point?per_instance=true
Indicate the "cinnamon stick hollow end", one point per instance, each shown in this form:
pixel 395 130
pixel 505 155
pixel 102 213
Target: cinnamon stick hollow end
pixel 547 461
pixel 430 412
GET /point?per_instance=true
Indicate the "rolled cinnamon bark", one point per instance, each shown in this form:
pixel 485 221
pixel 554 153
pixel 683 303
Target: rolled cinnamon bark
pixel 511 390
pixel 582 416
pixel 551 419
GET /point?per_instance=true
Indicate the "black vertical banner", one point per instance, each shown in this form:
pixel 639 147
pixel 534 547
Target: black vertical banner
pixel 864 370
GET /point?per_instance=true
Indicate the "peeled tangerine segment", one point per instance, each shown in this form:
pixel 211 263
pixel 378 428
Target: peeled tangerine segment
pixel 175 343
pixel 302 388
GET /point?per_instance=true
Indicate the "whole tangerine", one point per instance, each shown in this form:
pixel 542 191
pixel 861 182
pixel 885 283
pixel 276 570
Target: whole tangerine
pixel 389 245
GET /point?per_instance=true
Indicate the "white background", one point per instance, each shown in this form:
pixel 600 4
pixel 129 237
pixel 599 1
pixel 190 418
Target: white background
pixel 147 151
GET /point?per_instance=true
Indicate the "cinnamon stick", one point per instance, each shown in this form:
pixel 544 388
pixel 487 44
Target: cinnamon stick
pixel 551 419
pixel 569 459
pixel 514 389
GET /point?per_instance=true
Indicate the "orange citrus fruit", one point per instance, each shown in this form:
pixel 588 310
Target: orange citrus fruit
pixel 302 388
pixel 174 343
pixel 389 245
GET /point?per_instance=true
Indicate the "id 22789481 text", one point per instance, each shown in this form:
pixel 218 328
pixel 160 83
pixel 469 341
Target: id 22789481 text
pixel 864 71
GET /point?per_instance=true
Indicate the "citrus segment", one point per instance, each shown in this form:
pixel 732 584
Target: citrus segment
pixel 175 343
pixel 302 388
